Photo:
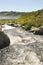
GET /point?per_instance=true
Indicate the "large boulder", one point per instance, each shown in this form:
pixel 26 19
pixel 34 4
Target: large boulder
pixel 33 29
pixel 4 40
pixel 39 32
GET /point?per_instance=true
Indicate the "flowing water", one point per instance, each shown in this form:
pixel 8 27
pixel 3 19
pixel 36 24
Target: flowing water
pixel 25 48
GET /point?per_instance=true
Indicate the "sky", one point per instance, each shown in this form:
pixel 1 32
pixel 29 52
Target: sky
pixel 21 5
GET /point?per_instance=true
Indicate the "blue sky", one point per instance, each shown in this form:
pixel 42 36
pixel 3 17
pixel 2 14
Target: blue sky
pixel 21 5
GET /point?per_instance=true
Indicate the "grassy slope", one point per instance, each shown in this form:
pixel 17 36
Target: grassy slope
pixel 31 18
pixel 27 19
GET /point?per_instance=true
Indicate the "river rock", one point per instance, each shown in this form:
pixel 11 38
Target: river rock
pixel 4 40
pixel 39 31
pixel 33 29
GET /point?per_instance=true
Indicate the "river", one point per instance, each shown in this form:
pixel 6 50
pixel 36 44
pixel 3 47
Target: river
pixel 25 48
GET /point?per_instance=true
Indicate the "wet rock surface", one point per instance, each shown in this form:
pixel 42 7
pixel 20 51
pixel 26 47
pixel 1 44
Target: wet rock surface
pixel 4 40
pixel 25 48
pixel 39 32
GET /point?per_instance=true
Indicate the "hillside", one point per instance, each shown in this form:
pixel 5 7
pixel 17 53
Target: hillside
pixel 26 19
pixel 34 18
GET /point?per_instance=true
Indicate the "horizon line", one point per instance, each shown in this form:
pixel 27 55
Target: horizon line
pixel 20 11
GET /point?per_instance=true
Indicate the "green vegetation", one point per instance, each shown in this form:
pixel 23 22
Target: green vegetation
pixel 7 21
pixel 27 19
pixel 31 19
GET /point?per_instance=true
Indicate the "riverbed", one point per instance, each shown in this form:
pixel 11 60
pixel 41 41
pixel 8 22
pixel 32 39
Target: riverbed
pixel 25 48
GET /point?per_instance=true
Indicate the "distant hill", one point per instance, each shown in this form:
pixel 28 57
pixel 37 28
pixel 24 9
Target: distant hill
pixel 5 15
pixel 11 13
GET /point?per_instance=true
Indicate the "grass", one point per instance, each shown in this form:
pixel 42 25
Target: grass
pixel 28 19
